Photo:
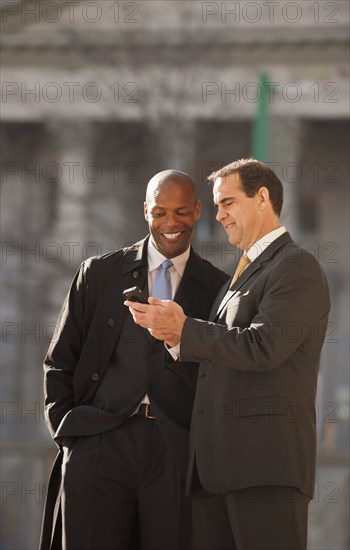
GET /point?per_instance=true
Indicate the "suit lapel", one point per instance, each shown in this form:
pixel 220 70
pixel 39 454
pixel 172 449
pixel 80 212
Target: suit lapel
pixel 218 300
pixel 109 317
pixel 252 268
pixel 248 272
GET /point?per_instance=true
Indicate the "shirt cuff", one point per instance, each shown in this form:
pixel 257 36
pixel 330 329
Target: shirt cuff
pixel 174 351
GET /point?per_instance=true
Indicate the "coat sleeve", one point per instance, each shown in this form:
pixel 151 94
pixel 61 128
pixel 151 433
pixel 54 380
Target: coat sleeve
pixel 64 351
pixel 294 306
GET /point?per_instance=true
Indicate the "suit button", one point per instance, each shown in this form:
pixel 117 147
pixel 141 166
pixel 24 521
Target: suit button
pixel 135 274
pixel 95 377
pixel 111 322
pixel 202 376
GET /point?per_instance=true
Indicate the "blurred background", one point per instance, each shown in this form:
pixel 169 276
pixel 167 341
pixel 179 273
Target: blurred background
pixel 99 96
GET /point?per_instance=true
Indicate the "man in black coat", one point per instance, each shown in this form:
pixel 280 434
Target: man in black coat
pixel 120 419
pixel 253 434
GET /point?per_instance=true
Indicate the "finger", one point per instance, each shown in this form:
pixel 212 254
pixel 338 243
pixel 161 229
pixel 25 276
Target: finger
pixel 136 306
pixel 157 301
pixel 137 316
pixel 142 322
pixel 134 313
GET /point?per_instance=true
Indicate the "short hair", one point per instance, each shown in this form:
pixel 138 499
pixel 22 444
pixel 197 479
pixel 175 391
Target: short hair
pixel 254 175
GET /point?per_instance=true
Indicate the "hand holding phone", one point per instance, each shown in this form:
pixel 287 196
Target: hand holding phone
pixel 135 294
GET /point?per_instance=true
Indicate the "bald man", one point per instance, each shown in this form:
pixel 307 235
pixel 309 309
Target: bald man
pixel 120 418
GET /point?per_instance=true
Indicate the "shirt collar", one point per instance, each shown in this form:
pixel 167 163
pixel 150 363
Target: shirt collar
pixel 260 245
pixel 155 258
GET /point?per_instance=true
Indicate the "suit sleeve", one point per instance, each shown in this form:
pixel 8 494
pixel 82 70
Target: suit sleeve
pixel 295 303
pixel 64 351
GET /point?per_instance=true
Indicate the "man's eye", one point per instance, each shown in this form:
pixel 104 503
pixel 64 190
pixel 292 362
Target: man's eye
pixel 183 213
pixel 157 214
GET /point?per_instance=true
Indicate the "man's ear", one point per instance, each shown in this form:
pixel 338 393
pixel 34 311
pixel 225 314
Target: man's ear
pixel 263 197
pixel 197 211
pixel 145 211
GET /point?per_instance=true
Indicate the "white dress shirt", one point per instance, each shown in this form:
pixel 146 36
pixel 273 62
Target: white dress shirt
pixel 257 248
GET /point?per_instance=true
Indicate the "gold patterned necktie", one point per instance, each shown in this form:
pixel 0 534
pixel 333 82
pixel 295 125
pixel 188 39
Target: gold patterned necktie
pixel 242 264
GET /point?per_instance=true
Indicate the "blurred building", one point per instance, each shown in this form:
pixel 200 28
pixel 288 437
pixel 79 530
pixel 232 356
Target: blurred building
pixel 99 96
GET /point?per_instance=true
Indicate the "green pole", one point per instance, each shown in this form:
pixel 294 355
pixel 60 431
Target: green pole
pixel 260 128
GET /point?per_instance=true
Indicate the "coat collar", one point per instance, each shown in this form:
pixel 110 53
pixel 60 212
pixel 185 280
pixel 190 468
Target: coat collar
pixel 135 258
pixel 135 266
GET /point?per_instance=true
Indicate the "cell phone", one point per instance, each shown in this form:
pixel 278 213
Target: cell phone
pixel 135 294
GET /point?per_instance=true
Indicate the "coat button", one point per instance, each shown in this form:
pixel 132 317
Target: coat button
pixel 95 377
pixel 202 376
pixel 111 322
pixel 135 274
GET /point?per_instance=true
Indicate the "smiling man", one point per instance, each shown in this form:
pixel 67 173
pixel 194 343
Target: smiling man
pixel 253 434
pixel 171 208
pixel 121 419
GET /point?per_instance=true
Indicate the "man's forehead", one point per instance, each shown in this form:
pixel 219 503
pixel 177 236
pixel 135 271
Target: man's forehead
pixel 226 184
pixel 170 186
pixel 158 184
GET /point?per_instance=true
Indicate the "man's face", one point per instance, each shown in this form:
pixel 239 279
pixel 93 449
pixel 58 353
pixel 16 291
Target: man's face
pixel 239 214
pixel 171 212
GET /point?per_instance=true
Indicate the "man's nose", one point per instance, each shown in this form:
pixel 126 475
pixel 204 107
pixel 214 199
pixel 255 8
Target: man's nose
pixel 220 214
pixel 171 218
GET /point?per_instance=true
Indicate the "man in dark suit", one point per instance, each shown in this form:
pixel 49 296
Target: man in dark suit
pixel 120 419
pixel 253 433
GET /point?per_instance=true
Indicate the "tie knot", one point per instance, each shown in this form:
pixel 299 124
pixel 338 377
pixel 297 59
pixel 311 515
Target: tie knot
pixel 166 265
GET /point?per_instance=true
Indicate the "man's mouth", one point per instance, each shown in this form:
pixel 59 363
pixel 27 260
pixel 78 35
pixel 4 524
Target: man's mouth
pixel 172 236
pixel 229 225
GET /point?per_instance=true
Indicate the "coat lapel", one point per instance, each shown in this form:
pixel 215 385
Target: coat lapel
pixel 135 273
pixel 111 313
pixel 231 291
pixel 252 268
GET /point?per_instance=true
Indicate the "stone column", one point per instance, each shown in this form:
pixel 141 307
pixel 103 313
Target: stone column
pixel 73 141
pixel 285 156
pixel 176 139
pixel 75 174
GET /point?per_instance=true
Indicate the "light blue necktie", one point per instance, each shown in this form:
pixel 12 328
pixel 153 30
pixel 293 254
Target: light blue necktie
pixel 162 283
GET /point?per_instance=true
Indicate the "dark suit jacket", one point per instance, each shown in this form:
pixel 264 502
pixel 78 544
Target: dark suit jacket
pixel 88 329
pixel 254 413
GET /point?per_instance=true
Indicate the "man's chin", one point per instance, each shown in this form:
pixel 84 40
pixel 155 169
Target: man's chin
pixel 171 247
pixel 171 250
pixel 233 239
